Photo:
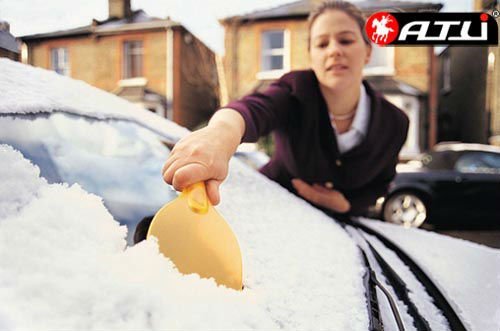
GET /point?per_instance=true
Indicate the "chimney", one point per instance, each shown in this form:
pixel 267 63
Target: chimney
pixel 4 26
pixel 119 9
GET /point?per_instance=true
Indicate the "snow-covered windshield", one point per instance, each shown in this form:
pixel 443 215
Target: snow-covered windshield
pixel 63 264
pixel 118 160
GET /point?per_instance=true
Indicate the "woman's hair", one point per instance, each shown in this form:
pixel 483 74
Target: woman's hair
pixel 343 6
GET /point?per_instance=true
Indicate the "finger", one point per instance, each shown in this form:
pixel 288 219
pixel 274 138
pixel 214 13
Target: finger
pixel 172 157
pixel 327 185
pixel 305 190
pixel 337 201
pixel 322 196
pixel 299 182
pixel 321 188
pixel 342 205
pixel 189 174
pixel 213 191
pixel 168 174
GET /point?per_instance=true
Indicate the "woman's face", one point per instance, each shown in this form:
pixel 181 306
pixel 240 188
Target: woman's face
pixel 338 52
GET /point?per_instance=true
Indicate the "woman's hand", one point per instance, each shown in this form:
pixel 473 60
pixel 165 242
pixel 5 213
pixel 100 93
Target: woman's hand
pixel 204 154
pixel 322 196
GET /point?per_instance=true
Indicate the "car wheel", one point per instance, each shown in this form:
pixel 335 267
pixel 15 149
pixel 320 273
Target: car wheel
pixel 405 208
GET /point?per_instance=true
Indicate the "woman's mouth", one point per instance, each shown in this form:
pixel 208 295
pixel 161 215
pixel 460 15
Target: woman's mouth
pixel 336 68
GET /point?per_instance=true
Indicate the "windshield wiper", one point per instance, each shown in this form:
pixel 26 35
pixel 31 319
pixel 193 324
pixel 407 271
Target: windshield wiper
pixel 371 282
pixel 439 299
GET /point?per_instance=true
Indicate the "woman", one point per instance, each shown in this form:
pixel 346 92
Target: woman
pixel 337 140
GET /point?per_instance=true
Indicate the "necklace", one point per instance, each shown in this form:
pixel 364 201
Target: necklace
pixel 342 117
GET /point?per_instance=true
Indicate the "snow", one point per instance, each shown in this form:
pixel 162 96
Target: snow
pixel 18 187
pixel 468 274
pixel 26 90
pixel 64 264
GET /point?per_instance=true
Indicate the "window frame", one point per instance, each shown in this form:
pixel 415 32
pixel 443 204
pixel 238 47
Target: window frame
pixel 127 56
pixel 285 52
pixel 58 63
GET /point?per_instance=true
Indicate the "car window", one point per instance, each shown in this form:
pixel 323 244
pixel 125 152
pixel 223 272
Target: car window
pixel 479 162
pixel 112 158
pixel 442 160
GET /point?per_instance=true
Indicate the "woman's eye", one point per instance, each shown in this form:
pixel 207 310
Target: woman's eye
pixel 346 41
pixel 322 45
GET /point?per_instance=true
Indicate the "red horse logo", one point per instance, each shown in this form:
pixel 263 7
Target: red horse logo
pixel 382 28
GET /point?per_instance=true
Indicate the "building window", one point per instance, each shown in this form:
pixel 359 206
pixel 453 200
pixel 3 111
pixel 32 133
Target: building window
pixel 59 59
pixel 132 55
pixel 381 61
pixel 274 54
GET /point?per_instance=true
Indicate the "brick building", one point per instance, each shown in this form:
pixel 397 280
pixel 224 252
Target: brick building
pixel 263 45
pixel 154 62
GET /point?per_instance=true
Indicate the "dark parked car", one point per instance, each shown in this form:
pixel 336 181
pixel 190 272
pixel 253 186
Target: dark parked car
pixel 454 185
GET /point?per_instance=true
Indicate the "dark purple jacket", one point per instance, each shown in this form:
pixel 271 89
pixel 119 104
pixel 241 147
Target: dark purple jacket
pixel 305 143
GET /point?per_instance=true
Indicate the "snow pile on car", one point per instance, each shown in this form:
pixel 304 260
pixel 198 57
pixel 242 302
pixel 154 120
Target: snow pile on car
pixel 20 182
pixel 64 263
pixel 26 89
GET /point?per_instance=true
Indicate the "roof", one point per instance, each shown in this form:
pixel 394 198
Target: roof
pixel 8 42
pixel 303 7
pixel 83 30
pixel 138 21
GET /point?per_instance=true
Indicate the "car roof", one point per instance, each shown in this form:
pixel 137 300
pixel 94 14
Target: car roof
pixel 29 90
pixel 460 147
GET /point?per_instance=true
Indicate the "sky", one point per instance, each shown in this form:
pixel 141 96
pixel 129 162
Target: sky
pixel 200 17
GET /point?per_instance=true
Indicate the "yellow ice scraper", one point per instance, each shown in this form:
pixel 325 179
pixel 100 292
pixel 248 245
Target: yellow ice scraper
pixel 197 239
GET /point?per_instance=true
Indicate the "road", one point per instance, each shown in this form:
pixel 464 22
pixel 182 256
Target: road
pixel 488 238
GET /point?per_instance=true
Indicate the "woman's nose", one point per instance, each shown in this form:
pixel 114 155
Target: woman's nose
pixel 334 49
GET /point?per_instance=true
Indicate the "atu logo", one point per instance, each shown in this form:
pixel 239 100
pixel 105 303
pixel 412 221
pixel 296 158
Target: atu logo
pixel 382 28
pixel 432 29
